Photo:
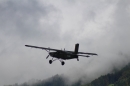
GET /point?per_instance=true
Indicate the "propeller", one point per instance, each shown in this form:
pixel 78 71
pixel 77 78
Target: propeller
pixel 47 56
pixel 48 52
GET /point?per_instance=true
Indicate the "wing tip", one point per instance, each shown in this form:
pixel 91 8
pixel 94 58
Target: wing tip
pixel 27 45
pixel 96 54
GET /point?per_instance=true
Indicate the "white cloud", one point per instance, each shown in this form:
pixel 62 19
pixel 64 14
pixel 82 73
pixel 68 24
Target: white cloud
pixel 99 26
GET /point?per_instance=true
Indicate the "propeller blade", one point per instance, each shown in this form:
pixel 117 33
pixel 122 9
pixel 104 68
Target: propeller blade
pixel 47 56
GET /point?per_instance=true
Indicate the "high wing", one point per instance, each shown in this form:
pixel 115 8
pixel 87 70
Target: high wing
pixel 61 50
pixel 42 48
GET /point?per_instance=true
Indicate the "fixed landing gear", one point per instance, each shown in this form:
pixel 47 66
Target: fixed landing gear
pixel 62 62
pixel 50 61
pixel 77 59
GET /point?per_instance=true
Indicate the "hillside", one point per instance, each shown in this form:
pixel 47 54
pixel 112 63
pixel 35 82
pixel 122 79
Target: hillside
pixel 57 80
pixel 120 78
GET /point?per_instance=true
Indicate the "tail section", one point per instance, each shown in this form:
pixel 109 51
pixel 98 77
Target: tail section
pixel 76 48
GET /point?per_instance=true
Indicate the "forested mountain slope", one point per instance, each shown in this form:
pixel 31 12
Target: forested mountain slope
pixel 119 78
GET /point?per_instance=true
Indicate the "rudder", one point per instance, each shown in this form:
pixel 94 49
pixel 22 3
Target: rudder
pixel 76 48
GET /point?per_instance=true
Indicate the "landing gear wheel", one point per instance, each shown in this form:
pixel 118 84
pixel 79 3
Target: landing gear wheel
pixel 62 63
pixel 50 61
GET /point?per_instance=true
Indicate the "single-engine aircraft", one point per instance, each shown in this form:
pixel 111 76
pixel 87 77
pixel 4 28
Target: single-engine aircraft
pixel 63 54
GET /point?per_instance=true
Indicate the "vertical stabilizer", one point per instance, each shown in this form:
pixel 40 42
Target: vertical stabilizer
pixel 76 48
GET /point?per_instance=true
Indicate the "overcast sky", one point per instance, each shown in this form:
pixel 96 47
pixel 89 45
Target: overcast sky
pixel 99 26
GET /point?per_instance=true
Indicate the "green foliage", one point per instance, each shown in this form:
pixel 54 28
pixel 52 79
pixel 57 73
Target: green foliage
pixel 119 78
pixel 56 80
pixel 111 85
pixel 124 80
pixel 53 81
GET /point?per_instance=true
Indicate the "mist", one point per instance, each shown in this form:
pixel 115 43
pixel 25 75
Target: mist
pixel 100 27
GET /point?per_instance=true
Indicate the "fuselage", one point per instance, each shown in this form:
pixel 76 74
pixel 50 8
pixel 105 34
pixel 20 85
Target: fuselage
pixel 63 55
